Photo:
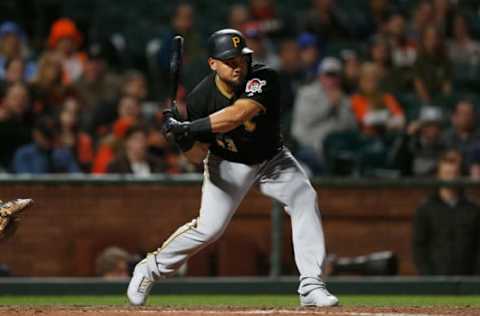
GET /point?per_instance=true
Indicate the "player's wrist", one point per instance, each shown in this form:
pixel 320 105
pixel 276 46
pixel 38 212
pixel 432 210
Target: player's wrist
pixel 201 126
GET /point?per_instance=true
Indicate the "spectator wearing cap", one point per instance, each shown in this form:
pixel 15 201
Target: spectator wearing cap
pixel 65 40
pixel 262 48
pixel 446 234
pixel 418 151
pixel 13 45
pixel 43 156
pixel 376 111
pixel 321 108
pixel 97 87
pixel 309 55
pixel 463 133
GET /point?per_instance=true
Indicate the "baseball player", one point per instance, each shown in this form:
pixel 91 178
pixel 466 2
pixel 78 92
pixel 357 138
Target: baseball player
pixel 235 111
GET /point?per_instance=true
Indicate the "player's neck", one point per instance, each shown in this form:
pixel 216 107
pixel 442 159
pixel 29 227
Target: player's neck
pixel 224 88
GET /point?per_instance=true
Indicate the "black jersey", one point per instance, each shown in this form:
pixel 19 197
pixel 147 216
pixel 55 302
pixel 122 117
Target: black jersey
pixel 255 140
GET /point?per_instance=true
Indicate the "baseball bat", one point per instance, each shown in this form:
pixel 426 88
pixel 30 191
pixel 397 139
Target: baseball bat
pixel 175 69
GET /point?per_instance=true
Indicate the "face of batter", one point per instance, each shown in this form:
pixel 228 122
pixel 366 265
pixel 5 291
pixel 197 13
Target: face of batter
pixel 232 71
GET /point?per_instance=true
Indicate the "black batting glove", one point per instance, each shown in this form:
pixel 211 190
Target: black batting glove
pixel 171 125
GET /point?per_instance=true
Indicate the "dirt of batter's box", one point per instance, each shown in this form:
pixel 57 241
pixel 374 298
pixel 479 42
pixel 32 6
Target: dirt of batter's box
pixel 233 311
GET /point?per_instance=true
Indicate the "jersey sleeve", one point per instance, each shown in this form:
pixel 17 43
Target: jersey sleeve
pixel 262 87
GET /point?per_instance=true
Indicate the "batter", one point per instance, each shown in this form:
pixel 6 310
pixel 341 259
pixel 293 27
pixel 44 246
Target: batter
pixel 235 110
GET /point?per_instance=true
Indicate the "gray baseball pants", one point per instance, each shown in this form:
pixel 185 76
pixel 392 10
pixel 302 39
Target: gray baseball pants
pixel 225 184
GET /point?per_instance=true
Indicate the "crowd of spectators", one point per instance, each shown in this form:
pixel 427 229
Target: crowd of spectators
pixel 381 96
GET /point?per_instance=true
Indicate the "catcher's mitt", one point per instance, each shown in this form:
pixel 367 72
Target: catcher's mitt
pixel 9 216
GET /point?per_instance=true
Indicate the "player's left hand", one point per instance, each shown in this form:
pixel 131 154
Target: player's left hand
pixel 171 125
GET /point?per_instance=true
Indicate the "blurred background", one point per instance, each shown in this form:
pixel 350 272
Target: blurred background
pixel 380 105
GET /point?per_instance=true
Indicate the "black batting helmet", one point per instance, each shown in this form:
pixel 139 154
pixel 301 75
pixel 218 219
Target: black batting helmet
pixel 226 44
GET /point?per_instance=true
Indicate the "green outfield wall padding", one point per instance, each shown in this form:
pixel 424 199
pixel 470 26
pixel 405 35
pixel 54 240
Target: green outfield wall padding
pixel 284 285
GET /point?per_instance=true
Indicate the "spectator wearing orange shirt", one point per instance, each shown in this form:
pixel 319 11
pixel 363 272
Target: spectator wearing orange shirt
pixel 375 110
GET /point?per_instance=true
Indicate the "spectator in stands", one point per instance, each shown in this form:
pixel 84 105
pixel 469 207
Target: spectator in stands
pixel 403 51
pixel 183 23
pixel 443 14
pixel 379 11
pixel 112 263
pixel 263 50
pixel 351 71
pixel 48 91
pixel 71 137
pixel 238 16
pixel 65 39
pixel 13 45
pixel 463 132
pixel 432 67
pixel 128 114
pixel 325 21
pixel 376 111
pixel 417 152
pixel 15 128
pixel 14 72
pixel 446 234
pixel 264 15
pixel 135 86
pixel 290 76
pixel 320 109
pixel 463 50
pixel 474 158
pixel 380 54
pixel 134 158
pixel 42 156
pixel 309 55
pixel 422 17
pixel 16 102
pixel 97 85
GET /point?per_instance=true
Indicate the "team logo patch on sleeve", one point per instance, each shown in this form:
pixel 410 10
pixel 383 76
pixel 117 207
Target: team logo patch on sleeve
pixel 254 86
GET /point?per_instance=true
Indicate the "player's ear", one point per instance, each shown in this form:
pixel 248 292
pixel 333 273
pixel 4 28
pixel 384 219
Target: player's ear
pixel 212 63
